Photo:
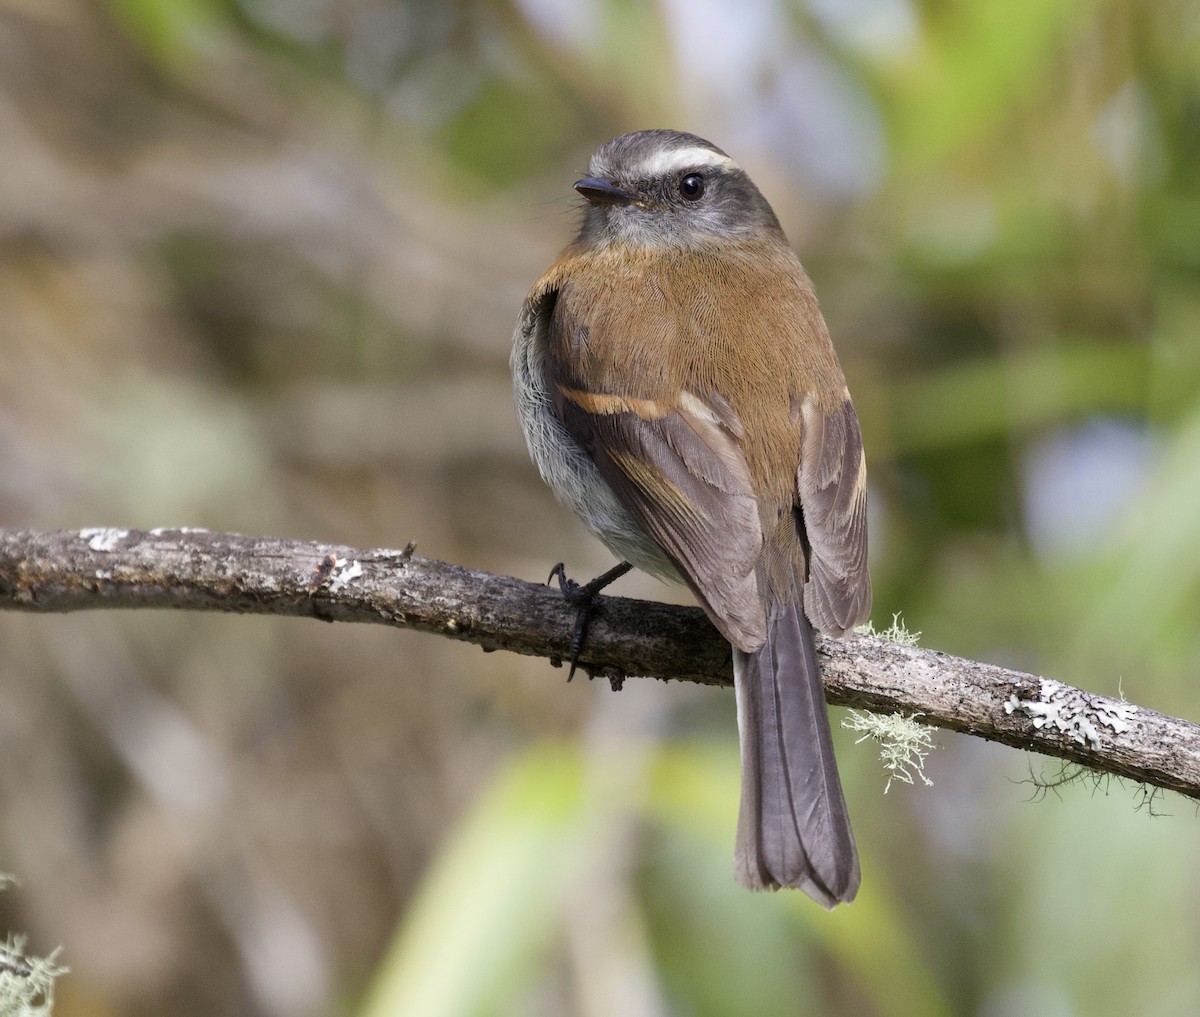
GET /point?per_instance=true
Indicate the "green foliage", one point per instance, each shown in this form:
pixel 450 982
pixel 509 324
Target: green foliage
pixel 168 31
pixel 496 911
pixel 977 65
pixel 506 131
pixel 478 929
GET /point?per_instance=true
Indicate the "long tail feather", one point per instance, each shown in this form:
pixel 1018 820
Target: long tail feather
pixel 793 827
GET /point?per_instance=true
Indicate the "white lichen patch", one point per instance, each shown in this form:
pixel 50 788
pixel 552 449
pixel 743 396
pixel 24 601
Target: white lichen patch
pixel 903 743
pixel 343 574
pixel 1075 713
pixel 26 981
pixel 103 538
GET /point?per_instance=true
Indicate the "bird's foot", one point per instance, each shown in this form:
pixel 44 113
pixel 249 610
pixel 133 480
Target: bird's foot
pixel 583 597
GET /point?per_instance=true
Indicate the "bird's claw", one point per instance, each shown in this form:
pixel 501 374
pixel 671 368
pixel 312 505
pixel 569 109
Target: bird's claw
pixel 582 596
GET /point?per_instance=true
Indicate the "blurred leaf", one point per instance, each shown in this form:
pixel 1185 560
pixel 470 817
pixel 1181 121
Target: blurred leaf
pixel 168 31
pixel 506 132
pixel 978 60
pixel 985 399
pixel 1148 589
pixel 1099 951
pixel 472 938
pixel 757 963
pixel 1175 228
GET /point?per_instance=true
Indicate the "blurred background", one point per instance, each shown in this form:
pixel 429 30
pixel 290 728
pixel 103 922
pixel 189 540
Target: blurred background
pixel 259 266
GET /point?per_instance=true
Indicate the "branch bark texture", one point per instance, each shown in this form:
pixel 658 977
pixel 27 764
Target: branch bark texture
pixel 73 570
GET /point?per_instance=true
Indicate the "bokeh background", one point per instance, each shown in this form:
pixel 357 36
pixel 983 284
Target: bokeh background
pixel 259 266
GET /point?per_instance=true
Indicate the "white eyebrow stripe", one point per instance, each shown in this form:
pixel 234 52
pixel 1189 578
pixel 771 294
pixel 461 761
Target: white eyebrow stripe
pixel 662 164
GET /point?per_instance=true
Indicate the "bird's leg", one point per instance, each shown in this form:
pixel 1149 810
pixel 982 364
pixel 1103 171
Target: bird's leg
pixel 583 597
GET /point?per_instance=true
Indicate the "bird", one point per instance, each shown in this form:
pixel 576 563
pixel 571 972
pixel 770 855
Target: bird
pixel 677 388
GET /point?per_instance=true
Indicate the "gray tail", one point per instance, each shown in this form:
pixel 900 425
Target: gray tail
pixel 793 827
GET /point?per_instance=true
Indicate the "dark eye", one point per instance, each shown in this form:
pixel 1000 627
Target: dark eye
pixel 692 187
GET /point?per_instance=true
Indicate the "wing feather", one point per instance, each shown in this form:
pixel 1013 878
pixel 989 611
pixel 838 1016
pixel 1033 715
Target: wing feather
pixel 832 484
pixel 695 501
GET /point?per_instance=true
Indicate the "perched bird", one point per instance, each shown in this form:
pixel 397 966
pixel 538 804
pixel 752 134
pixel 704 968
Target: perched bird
pixel 678 389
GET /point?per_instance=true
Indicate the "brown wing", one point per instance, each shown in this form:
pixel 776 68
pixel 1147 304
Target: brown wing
pixel 681 473
pixel 832 482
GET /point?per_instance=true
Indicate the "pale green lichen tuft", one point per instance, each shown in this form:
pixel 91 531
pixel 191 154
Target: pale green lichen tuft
pixel 26 983
pixel 903 743
pixel 897 632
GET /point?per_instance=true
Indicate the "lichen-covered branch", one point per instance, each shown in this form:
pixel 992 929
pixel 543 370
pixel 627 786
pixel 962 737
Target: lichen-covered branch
pixel 73 570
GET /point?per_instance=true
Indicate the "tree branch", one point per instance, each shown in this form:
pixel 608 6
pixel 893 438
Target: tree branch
pixel 71 570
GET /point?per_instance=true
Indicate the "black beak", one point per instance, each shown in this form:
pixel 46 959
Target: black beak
pixel 604 192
